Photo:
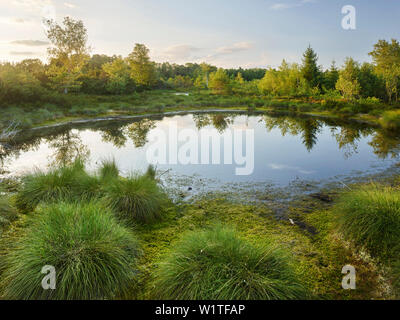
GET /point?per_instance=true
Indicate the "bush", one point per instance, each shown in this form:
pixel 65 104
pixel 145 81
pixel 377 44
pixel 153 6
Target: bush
pixel 94 257
pixel 66 183
pixel 391 120
pixel 218 265
pixel 136 198
pixel 370 217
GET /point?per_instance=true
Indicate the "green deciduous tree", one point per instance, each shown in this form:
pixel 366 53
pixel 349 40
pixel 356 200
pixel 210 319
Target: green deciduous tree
pixel 118 73
pixel 348 83
pixel 386 58
pixel 219 82
pixel 68 54
pixel 143 70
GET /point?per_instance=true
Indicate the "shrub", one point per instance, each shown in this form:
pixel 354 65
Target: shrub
pixel 137 198
pixel 94 257
pixel 370 217
pixel 66 183
pixel 218 265
pixel 391 120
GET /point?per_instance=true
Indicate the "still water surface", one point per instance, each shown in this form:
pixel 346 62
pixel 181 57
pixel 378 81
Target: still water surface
pixel 285 148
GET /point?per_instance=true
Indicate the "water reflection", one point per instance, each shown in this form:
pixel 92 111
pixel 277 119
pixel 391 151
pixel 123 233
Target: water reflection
pixel 319 137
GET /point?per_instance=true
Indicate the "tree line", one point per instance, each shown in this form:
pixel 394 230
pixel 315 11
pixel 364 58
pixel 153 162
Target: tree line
pixel 71 68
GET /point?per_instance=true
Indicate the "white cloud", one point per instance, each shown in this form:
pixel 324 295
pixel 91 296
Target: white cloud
pixel 33 4
pixel 237 47
pixel 180 52
pixel 70 5
pixel 286 5
pixel 15 21
pixel 30 43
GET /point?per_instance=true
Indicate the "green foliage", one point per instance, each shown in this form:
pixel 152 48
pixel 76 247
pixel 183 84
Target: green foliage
pixel 219 82
pixel 348 83
pixel 287 81
pixel 68 54
pixel 94 257
pixel 118 73
pixel 369 216
pixel 217 264
pixel 137 198
pixel 310 69
pixel 143 71
pixel 386 57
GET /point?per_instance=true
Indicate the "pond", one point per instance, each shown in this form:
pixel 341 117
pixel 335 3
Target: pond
pixel 284 148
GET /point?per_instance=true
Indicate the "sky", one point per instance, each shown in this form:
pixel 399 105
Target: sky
pixel 225 33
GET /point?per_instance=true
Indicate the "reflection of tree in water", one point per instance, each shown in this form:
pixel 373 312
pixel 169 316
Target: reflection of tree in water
pixel 219 121
pixel 201 120
pixel 310 129
pixel 285 125
pixel 348 138
pixel 307 128
pixel 15 147
pixel 68 147
pixel 114 135
pixel 138 131
pixel 385 144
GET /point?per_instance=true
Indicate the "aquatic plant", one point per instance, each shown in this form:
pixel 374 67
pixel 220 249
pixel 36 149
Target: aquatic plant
pixel 93 255
pixel 217 264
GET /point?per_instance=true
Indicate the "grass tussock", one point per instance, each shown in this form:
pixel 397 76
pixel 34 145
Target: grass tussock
pixel 94 256
pixel 218 265
pixel 7 211
pixel 137 198
pixel 109 170
pixel 66 183
pixel 369 216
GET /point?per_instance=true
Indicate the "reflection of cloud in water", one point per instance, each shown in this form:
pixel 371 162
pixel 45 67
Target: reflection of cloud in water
pixel 275 166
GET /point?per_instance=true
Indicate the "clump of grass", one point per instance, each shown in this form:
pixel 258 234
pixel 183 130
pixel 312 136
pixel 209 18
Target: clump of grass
pixel 391 120
pixel 151 172
pixel 7 212
pixel 218 265
pixel 66 183
pixel 109 170
pixel 370 217
pixel 93 255
pixel 137 198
